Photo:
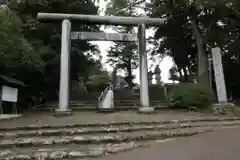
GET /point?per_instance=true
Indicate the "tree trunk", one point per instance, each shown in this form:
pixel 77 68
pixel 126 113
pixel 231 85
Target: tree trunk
pixel 129 72
pixel 202 64
pixel 180 74
pixel 114 77
pixel 185 74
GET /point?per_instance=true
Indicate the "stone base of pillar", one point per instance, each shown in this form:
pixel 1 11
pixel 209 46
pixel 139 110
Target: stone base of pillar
pixel 222 108
pixel 63 113
pixel 146 110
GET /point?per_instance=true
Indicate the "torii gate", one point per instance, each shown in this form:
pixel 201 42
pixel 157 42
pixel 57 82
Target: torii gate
pixel 67 36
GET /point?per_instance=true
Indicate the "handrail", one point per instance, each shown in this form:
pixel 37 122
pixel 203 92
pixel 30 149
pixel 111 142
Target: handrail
pixel 101 96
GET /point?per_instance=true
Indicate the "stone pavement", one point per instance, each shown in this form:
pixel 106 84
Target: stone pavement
pixel 47 118
pixel 218 145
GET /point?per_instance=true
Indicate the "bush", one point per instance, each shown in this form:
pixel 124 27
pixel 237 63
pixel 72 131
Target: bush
pixel 190 96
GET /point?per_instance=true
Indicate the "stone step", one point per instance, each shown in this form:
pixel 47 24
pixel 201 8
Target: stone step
pixel 116 101
pixel 119 104
pixel 121 123
pixel 40 141
pixel 70 151
pixel 110 129
pixel 95 108
pixel 75 147
pixel 77 141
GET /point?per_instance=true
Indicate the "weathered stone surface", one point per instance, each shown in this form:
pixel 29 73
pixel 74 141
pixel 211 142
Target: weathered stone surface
pixel 44 150
pixel 41 155
pixel 120 138
pixel 62 141
pixel 108 138
pixel 96 153
pixel 95 139
pixel 120 147
pixel 77 154
pixel 5 153
pixel 78 138
pixel 23 157
pixel 58 155
pixel 47 142
pixel 71 132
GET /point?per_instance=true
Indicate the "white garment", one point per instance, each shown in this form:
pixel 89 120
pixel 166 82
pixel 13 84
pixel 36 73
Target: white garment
pixel 107 101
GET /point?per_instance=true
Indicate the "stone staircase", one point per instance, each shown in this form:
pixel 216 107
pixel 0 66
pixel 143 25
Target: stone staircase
pixel 76 141
pixel 124 100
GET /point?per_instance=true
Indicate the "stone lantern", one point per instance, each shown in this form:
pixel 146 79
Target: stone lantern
pixel 150 77
pixel 157 73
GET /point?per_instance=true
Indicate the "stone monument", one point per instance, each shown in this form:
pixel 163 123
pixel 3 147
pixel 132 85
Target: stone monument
pixel 219 75
pixel 223 105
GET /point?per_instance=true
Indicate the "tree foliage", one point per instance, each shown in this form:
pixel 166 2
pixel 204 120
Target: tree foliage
pixel 191 29
pixel 31 48
pixel 121 55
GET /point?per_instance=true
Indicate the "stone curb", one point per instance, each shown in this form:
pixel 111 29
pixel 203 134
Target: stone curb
pixel 33 127
pixel 59 155
pixel 117 138
pixel 112 130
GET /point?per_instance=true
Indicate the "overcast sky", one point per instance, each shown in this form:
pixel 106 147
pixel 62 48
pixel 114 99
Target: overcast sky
pixel 165 64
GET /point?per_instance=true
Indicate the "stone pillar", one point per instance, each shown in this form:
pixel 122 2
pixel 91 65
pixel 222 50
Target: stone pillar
pixel 63 107
pixel 219 75
pixel 144 95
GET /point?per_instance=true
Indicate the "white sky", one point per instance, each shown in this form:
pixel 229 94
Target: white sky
pixel 165 64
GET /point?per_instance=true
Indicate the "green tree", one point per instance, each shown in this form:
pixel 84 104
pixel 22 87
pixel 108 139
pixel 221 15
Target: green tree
pixel 19 58
pixel 123 56
pixel 197 18
pixel 44 35
pixel 191 29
